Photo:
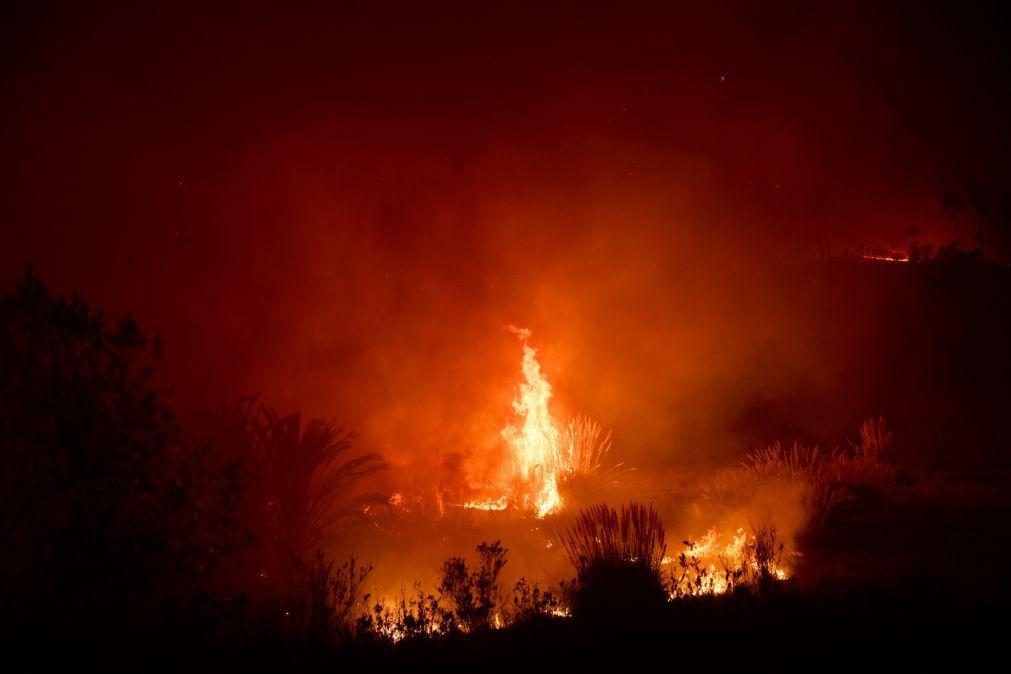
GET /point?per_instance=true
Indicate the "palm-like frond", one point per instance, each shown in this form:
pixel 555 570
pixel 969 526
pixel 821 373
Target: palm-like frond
pixel 305 476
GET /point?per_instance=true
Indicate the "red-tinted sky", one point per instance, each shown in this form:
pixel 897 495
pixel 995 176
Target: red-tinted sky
pixel 340 206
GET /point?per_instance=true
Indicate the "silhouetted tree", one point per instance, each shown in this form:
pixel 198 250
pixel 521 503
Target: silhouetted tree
pixel 953 207
pixel 982 203
pixel 107 511
pixel 303 481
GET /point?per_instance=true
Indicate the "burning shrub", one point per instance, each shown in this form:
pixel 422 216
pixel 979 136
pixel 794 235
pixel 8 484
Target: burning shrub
pixel 416 616
pixel 474 595
pixel 617 559
pixel 753 560
pixel 763 556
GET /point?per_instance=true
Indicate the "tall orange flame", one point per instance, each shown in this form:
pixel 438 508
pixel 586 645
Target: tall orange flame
pixel 535 463
pixel 534 444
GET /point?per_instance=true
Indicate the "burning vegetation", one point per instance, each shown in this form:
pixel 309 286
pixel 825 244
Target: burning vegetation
pixel 516 335
pixel 339 549
pixel 541 459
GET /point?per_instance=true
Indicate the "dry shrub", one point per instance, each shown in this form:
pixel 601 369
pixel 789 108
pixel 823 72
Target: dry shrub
pixel 753 562
pixel 590 476
pixel 763 556
pixel 868 465
pixel 468 601
pixel 797 460
pixel 777 466
pixel 322 599
pixel 832 478
pixel 418 615
pixel 875 440
pixel 588 446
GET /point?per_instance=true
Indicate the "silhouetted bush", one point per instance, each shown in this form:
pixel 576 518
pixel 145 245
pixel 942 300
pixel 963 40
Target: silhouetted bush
pixel 419 615
pixel 474 595
pixel 469 601
pixel 617 559
pixel 320 605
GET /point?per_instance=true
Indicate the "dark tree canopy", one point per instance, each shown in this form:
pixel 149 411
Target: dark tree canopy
pixel 106 507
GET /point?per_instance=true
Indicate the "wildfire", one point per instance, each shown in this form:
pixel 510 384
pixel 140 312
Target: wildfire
pixel 536 462
pixel 534 445
pixel 711 566
pixel 500 503
pixel 887 258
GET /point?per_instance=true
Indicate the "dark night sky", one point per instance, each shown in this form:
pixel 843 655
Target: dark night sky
pixel 303 200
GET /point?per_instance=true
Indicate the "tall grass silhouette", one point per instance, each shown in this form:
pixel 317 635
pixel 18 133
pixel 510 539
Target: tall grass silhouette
pixel 617 556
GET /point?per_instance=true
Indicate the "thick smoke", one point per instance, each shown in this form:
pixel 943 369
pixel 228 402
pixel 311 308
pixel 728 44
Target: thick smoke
pixel 341 212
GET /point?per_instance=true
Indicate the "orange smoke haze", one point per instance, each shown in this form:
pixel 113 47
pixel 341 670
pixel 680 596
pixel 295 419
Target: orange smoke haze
pixel 340 210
